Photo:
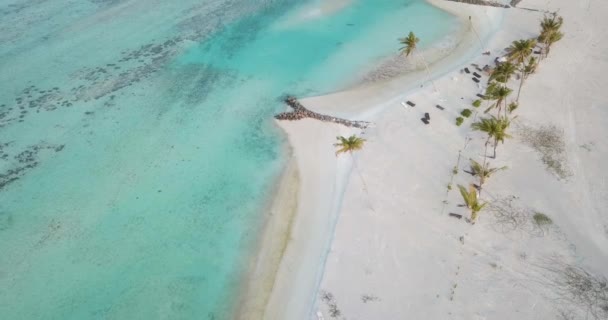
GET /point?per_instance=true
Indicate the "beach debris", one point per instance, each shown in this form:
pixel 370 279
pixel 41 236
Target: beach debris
pixel 439 107
pixel 411 104
pixel 300 112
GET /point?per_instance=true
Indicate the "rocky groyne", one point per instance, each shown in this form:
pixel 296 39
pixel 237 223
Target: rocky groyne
pixel 300 112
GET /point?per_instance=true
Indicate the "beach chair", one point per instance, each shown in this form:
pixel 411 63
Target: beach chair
pixel 467 70
pixel 477 75
pixel 427 116
pixel 476 80
pixel 439 107
pixel 411 104
pixel 403 104
pixel 424 120
pixel 456 215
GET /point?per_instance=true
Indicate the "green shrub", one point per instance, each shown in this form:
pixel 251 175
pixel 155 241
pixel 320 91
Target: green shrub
pixel 455 170
pixel 542 219
pixel 459 121
pixel 477 103
pixel 466 113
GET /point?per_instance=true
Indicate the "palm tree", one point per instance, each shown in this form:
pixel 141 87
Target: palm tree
pixel 495 128
pixel 550 31
pixel 349 145
pixel 549 39
pixel 503 72
pixel 499 94
pixel 410 44
pixel 487 125
pixel 471 200
pixel 483 171
pixel 519 51
pixel 502 124
pixel 526 71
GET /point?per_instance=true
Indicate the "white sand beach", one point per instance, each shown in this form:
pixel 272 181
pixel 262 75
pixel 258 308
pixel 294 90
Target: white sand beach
pixel 380 225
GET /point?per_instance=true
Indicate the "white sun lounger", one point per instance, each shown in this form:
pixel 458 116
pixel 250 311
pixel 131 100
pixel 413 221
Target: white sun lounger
pixel 404 104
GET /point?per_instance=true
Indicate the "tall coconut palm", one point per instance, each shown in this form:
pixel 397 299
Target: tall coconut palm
pixel 502 125
pixel 471 200
pixel 483 171
pixel 499 94
pixel 550 31
pixel 489 126
pixel 495 128
pixel 350 145
pixel 519 51
pixel 410 45
pixel 526 71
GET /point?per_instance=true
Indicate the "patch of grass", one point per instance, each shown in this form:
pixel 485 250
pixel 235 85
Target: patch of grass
pixel 476 103
pixel 548 140
pixel 459 121
pixel 455 170
pixel 541 219
pixel 466 113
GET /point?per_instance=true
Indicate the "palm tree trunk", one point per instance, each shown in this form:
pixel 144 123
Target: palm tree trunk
pixel 363 182
pixel 495 145
pixel 521 84
pixel 428 72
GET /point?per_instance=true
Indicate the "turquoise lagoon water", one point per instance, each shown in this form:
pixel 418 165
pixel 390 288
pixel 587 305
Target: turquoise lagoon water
pixel 137 146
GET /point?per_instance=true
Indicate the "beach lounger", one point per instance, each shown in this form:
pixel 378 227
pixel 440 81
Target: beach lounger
pixel 427 116
pixel 477 75
pixel 403 104
pixel 411 104
pixel 481 96
pixel 467 70
pixel 456 215
pixel 476 80
pixel 424 120
pixel 537 52
pixel 439 107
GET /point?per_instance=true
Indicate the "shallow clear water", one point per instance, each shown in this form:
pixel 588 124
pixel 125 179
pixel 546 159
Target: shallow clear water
pixel 137 147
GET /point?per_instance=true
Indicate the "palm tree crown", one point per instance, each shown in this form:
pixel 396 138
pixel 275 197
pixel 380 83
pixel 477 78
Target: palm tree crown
pixel 409 43
pixel 497 93
pixel 471 200
pixel 483 171
pixel 495 128
pixel 503 72
pixel 350 144
pixel 520 50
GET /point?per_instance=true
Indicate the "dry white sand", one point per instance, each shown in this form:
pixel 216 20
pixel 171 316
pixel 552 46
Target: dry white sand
pixel 390 251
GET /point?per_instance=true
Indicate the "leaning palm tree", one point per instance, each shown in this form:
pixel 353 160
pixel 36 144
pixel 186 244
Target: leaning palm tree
pixel 499 94
pixel 483 171
pixel 350 145
pixel 410 44
pixel 471 200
